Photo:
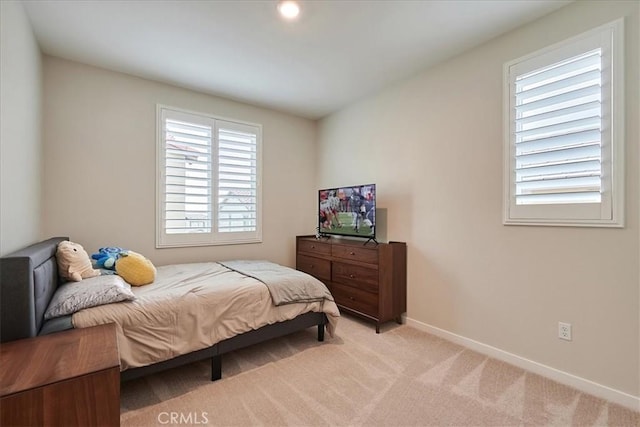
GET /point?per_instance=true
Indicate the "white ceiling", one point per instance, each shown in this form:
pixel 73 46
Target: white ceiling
pixel 334 53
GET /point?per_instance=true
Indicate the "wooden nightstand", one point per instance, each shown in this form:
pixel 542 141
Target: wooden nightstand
pixel 69 378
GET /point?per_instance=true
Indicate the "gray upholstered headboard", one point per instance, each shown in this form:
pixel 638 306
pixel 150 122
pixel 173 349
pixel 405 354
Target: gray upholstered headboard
pixel 28 279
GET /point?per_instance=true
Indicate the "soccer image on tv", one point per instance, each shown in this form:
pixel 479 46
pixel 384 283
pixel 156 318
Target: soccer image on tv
pixel 348 211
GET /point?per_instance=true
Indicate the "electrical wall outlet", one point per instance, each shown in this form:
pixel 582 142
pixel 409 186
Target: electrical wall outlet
pixel 564 331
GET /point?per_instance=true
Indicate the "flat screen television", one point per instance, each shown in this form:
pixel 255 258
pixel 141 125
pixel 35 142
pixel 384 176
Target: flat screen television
pixel 348 211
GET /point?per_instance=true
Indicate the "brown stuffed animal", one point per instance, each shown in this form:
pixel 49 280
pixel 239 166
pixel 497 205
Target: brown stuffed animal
pixel 74 262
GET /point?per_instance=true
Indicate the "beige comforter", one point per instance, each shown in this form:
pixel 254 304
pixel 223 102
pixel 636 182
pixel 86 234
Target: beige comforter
pixel 190 307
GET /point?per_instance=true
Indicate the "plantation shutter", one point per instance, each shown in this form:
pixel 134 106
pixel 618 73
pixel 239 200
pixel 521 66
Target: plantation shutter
pixel 564 132
pixel 558 132
pixel 187 186
pixel 208 180
pixel 237 177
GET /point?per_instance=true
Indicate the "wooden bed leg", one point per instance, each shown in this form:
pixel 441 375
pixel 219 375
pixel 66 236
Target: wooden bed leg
pixel 216 367
pixel 321 332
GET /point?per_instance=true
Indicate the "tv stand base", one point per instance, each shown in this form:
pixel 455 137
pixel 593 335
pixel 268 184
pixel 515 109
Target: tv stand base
pixel 370 239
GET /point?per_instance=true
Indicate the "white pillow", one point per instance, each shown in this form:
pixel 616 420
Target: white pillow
pixel 74 296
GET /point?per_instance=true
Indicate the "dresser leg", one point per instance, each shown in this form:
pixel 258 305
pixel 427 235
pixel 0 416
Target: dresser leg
pixel 321 332
pixel 399 320
pixel 377 328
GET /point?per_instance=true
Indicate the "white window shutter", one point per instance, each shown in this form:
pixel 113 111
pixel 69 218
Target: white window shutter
pixel 564 126
pixel 187 184
pixel 237 178
pixel 208 180
pixel 557 137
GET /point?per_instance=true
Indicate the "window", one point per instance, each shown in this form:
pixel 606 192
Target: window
pixel 208 180
pixel 564 152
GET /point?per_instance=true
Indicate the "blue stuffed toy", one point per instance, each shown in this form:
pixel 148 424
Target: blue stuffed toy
pixel 107 257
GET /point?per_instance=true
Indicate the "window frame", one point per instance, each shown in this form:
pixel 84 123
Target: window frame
pixel 214 237
pixel 610 211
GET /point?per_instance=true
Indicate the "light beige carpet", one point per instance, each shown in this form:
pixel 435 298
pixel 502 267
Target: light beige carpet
pixel 401 377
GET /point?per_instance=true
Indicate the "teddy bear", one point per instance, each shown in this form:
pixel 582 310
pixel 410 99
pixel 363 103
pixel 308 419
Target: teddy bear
pixel 107 257
pixel 135 269
pixel 74 262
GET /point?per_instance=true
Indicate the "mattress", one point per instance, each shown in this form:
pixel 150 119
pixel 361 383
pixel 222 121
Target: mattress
pixel 190 307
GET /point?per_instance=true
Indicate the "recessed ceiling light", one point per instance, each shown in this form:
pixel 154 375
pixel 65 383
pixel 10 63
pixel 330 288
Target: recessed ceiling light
pixel 289 9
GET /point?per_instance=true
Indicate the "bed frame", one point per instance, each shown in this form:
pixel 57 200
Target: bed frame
pixel 29 278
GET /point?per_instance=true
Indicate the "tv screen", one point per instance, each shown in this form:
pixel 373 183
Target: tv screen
pixel 348 211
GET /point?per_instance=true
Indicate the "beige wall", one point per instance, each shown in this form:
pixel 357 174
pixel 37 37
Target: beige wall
pixel 100 168
pixel 433 145
pixel 20 136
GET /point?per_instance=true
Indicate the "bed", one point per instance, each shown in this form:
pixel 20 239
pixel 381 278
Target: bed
pixel 208 322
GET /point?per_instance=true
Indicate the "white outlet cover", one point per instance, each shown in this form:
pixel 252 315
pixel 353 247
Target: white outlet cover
pixel 564 331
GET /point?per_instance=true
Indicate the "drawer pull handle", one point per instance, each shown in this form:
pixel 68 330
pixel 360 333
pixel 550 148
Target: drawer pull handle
pixel 352 298
pixel 352 253
pixel 352 276
pixel 311 266
pixel 313 246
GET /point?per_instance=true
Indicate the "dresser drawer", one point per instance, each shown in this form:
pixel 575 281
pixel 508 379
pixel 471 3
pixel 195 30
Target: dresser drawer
pixel 355 253
pixel 356 276
pixel 317 267
pixel 314 247
pixel 355 299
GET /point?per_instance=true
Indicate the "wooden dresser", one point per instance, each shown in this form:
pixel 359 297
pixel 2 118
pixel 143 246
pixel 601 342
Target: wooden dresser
pixel 69 378
pixel 366 280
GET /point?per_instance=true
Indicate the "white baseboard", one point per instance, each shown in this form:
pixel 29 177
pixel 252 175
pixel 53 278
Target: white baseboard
pixel 582 384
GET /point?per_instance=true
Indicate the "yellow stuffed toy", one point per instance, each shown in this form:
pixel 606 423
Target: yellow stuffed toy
pixel 135 269
pixel 74 262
